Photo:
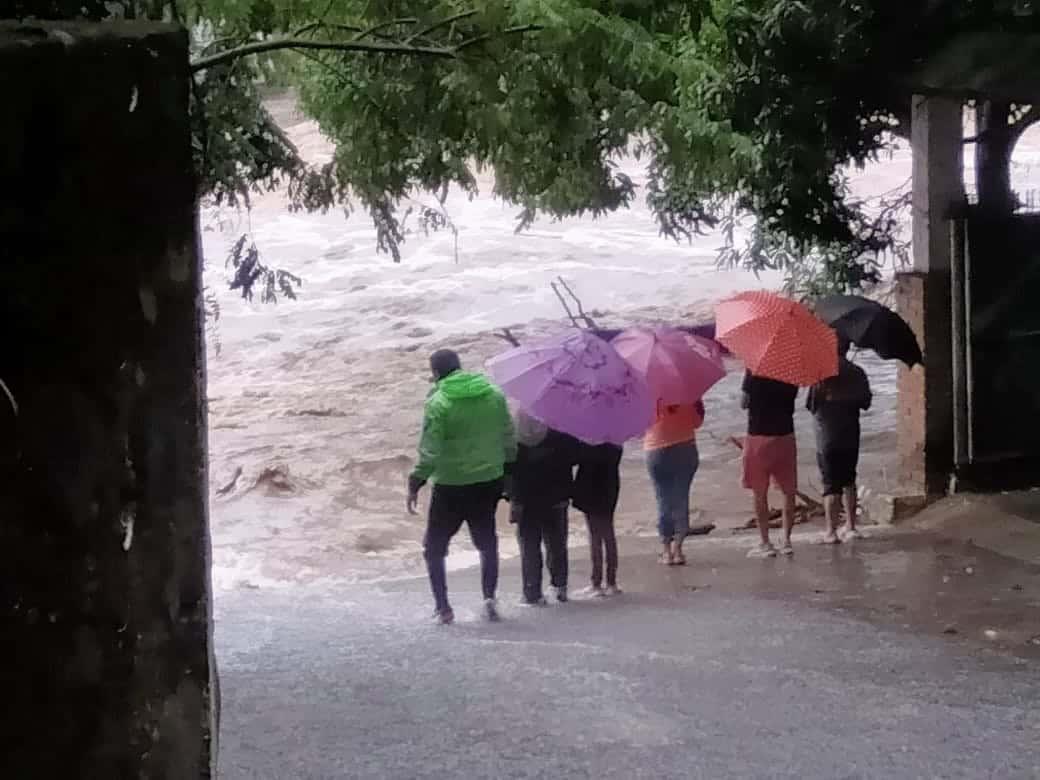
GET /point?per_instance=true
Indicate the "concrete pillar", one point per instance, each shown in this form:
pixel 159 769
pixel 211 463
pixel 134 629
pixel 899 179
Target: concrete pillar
pixel 104 544
pixel 924 297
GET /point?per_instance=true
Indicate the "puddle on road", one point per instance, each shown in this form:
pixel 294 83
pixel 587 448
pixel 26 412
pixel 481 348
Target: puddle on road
pixel 918 582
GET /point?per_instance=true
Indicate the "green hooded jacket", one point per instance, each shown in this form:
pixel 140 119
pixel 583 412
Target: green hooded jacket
pixel 467 435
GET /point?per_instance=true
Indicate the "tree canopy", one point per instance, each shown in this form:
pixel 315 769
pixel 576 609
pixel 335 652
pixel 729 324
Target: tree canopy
pixel 738 107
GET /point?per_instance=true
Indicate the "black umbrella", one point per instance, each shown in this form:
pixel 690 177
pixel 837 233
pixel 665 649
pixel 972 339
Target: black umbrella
pixel 870 325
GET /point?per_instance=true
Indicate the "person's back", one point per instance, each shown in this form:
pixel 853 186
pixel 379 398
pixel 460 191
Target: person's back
pixel 770 406
pixel 672 460
pixel 467 435
pixel 836 403
pixel 597 482
pixel 467 441
pixel 770 453
pixel 542 480
pixel 544 470
pixel 597 485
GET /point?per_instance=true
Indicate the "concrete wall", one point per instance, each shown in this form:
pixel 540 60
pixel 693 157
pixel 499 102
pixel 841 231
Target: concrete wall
pixel 926 425
pixel 104 557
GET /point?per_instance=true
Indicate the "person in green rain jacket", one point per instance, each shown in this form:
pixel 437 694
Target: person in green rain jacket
pixel 467 447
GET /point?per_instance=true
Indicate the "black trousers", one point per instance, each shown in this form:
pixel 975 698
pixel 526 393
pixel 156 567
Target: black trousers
pixel 602 539
pixel 450 507
pixel 536 526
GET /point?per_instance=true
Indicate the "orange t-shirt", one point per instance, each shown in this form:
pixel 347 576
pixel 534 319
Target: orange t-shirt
pixel 676 424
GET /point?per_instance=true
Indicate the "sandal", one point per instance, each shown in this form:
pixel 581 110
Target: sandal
pixel 665 559
pixel 678 559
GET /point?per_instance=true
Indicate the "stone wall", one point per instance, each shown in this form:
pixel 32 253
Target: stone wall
pixel 104 557
pixel 911 416
pixel 925 424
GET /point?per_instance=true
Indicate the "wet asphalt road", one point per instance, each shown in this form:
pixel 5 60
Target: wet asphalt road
pixel 672 679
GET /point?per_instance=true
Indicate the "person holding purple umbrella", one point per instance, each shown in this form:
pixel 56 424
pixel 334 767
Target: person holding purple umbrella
pixel 539 494
pixel 679 369
pixel 672 460
pixel 597 486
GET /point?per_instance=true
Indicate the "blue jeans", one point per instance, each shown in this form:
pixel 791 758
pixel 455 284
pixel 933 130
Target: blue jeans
pixel 672 469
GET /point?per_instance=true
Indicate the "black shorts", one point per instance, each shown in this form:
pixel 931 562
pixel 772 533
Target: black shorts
pixel 837 469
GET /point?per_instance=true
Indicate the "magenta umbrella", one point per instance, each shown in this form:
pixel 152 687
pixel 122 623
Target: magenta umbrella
pixel 678 367
pixel 578 384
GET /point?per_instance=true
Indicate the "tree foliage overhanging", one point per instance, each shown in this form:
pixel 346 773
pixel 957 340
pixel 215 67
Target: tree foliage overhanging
pixel 749 107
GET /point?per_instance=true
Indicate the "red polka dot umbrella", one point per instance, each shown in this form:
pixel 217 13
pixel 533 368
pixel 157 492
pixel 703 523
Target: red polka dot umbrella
pixel 777 338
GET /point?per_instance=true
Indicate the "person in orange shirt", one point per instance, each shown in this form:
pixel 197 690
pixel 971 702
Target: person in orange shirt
pixel 672 459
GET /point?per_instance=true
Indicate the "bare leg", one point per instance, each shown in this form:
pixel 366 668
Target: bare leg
pixel 677 553
pixel 762 514
pixel 666 553
pixel 788 518
pixel 850 507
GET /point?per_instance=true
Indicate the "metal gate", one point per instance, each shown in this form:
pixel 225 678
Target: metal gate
pixel 995 283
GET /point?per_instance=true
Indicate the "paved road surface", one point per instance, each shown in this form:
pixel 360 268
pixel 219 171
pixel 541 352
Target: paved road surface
pixel 673 679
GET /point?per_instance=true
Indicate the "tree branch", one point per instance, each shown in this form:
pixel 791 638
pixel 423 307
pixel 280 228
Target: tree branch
pixel 309 28
pixel 280 44
pixel 563 302
pixel 488 36
pixel 507 336
pixel 442 23
pixel 379 27
pixel 581 309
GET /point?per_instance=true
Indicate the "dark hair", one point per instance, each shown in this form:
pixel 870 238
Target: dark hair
pixel 843 345
pixel 444 362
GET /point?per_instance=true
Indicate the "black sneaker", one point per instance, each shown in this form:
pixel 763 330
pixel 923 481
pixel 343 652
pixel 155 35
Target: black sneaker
pixel 561 595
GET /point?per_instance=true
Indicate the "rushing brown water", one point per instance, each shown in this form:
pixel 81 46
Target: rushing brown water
pixel 315 404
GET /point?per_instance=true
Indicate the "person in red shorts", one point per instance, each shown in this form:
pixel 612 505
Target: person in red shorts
pixel 770 454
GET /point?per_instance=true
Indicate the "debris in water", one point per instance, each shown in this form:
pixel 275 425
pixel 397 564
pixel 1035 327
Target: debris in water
pixel 133 98
pixel 990 633
pixel 1016 586
pixel 276 480
pixel 223 491
pixel 969 570
pixel 951 629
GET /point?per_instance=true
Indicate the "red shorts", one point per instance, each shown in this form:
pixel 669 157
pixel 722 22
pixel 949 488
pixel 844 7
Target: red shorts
pixel 771 458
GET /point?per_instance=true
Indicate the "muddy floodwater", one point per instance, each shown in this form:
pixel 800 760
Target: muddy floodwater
pixel 315 404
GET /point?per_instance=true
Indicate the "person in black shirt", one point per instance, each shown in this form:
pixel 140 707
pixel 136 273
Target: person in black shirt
pixel 596 490
pixel 542 481
pixel 770 454
pixel 835 404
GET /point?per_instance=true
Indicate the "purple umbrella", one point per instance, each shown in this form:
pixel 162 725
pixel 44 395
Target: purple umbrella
pixel 578 384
